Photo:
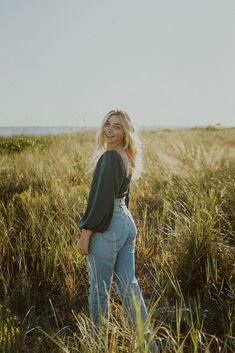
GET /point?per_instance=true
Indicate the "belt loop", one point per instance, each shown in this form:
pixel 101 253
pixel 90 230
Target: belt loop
pixel 121 201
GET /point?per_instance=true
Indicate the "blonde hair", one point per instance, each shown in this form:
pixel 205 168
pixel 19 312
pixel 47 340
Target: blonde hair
pixel 132 145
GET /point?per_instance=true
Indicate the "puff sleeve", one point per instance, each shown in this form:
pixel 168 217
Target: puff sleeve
pixel 107 180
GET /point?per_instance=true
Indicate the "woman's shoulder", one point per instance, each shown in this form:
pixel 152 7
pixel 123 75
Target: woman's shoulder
pixel 112 156
pixel 122 156
pixel 110 160
pixel 108 157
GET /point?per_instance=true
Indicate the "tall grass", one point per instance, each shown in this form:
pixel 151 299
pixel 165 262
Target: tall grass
pixel 183 206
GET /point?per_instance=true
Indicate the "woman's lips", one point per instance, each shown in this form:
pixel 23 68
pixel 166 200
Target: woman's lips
pixel 109 136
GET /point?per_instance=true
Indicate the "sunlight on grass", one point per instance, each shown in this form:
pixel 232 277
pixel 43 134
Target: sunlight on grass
pixel 183 205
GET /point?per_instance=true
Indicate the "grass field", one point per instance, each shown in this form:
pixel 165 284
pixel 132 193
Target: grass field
pixel 184 208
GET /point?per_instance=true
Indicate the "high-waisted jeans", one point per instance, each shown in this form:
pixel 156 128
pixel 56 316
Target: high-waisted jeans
pixel 111 256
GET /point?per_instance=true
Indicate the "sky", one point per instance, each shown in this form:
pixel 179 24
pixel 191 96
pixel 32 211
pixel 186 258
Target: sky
pixel 67 63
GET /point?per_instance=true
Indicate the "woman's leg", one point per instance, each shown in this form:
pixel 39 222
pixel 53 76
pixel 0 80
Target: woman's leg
pixel 127 284
pixel 100 263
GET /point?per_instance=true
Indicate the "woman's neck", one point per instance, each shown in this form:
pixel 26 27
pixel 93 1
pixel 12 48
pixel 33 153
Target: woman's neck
pixel 118 147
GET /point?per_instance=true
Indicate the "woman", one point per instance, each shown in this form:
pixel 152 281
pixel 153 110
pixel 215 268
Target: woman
pixel 108 230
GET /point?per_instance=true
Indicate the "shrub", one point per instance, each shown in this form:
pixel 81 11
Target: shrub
pixel 20 143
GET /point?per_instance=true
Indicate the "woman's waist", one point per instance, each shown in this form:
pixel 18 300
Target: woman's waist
pixel 119 203
pixel 120 209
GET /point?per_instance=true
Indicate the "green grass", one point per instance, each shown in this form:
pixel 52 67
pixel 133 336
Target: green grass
pixel 183 206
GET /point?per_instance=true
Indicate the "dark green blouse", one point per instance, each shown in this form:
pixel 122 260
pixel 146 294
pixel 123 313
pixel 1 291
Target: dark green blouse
pixel 109 182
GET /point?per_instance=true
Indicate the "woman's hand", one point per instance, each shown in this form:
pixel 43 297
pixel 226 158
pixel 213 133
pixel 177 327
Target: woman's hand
pixel 83 241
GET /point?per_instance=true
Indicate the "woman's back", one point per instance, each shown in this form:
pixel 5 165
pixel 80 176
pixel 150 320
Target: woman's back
pixel 126 162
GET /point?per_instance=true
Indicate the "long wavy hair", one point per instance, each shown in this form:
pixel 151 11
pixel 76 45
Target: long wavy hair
pixel 132 145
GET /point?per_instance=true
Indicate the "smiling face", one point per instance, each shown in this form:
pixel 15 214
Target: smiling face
pixel 113 132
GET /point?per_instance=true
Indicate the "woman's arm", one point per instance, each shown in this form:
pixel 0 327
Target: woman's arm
pixel 83 241
pixel 107 179
pixel 105 185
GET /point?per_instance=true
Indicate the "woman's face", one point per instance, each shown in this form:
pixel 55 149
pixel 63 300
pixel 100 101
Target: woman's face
pixel 113 131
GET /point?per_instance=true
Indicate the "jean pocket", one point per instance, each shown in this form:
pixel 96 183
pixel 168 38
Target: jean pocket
pixel 115 230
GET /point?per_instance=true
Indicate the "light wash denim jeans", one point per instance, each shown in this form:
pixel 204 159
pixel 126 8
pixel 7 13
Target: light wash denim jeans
pixel 112 256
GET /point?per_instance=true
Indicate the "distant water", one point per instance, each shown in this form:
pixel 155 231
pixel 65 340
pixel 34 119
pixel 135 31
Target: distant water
pixel 40 130
pixel 45 130
pixel 54 130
